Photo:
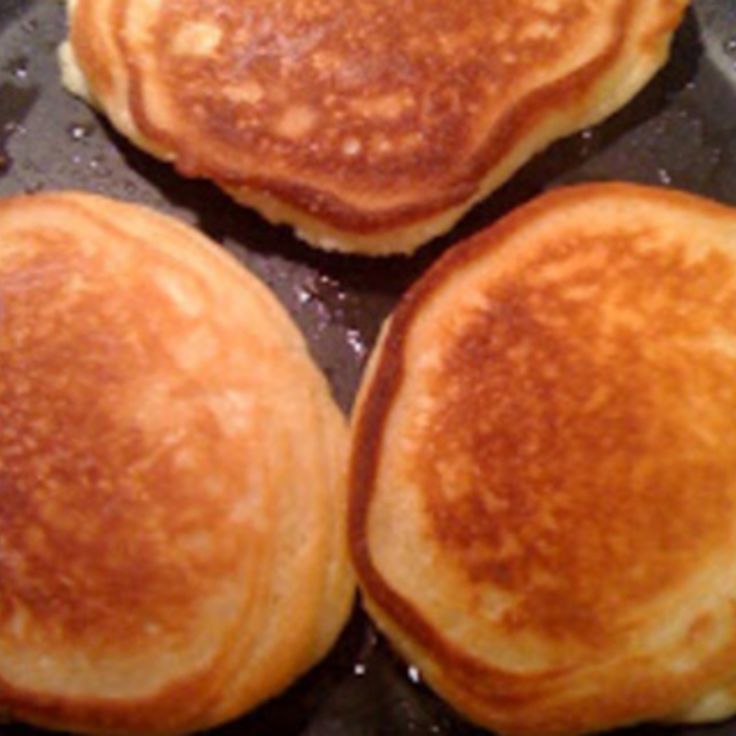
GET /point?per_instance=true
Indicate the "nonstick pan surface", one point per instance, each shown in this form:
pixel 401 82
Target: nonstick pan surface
pixel 679 132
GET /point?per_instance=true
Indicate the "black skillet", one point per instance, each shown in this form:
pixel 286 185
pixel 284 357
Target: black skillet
pixel 680 132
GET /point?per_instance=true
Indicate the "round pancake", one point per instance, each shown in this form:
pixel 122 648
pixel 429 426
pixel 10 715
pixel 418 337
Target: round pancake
pixel 369 126
pixel 172 477
pixel 542 507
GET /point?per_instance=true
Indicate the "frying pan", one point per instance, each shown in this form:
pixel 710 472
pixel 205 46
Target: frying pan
pixel 680 132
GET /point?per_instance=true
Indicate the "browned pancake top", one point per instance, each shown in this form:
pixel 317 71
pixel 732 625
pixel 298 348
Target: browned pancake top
pixel 100 523
pixel 382 104
pixel 561 461
pixel 170 476
pixel 543 484
pixel 384 90
pixel 355 120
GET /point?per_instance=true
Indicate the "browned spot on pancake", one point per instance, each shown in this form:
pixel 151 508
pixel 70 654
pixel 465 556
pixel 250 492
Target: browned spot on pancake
pixel 580 455
pixel 373 67
pixel 104 526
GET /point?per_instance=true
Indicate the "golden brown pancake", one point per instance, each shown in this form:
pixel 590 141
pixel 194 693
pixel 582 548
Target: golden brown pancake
pixel 172 546
pixel 369 126
pixel 543 480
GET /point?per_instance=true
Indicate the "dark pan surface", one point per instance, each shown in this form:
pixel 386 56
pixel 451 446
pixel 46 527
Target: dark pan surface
pixel 680 132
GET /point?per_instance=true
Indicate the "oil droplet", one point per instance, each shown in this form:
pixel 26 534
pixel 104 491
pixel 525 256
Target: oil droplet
pixel 324 291
pixel 586 140
pixel 99 167
pixel 356 343
pixel 304 296
pixel 359 669
pixel 18 68
pixel 79 131
pixel 414 675
pixel 664 177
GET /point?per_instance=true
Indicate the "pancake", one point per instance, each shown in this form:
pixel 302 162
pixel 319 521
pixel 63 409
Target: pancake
pixel 542 506
pixel 172 478
pixel 370 126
